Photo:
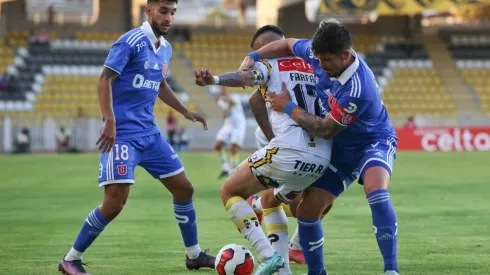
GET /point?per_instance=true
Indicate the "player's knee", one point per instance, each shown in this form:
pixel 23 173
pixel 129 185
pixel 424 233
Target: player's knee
pixel 269 200
pixel 314 203
pixel 234 149
pixel 225 193
pixel 112 207
pixel 325 212
pixel 294 205
pixel 183 192
pixel 375 178
pixel 218 146
pixel 229 190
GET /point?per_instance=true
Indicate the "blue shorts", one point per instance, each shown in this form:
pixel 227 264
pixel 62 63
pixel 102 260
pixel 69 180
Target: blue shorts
pixel 345 167
pixel 153 153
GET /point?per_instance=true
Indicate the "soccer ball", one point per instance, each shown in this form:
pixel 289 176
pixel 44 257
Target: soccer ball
pixel 234 259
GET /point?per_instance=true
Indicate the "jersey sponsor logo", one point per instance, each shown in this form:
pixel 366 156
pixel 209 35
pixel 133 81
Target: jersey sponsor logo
pixel 308 167
pixel 122 169
pixel 295 64
pixel 139 82
pixel 164 70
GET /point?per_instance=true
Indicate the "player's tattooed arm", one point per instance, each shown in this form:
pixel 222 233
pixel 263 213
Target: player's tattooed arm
pixel 249 78
pixel 259 110
pixel 240 79
pixel 323 127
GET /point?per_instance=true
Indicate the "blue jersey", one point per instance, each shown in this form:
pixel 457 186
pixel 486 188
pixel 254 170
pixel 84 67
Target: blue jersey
pixel 141 68
pixel 353 100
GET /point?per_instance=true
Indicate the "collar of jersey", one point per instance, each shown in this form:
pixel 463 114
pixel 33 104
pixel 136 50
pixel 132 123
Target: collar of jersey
pixel 146 28
pixel 347 74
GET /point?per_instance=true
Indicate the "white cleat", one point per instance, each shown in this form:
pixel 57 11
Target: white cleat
pixel 391 272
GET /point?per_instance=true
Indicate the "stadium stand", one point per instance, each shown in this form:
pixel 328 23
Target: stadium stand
pixel 472 55
pixel 409 83
pixel 61 79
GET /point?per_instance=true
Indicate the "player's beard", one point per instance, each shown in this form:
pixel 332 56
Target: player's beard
pixel 156 28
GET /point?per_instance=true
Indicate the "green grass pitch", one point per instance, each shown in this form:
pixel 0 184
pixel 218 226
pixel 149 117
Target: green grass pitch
pixel 441 199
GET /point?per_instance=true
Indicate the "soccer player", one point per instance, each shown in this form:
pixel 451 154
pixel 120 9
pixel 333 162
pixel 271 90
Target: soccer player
pixel 263 134
pixel 291 161
pixel 132 78
pixel 232 131
pixel 364 141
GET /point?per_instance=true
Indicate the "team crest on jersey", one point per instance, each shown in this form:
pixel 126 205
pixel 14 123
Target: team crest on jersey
pixel 346 120
pixel 147 65
pixel 164 70
pixel 122 169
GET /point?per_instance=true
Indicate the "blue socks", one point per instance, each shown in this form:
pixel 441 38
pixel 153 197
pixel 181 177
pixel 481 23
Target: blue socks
pixel 311 241
pixel 186 217
pixel 94 224
pixel 385 227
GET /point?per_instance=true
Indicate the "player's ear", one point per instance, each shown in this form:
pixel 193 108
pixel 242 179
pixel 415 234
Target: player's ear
pixel 148 10
pixel 346 54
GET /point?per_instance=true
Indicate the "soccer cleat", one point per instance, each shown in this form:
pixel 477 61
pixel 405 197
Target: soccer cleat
pixel 72 267
pixel 391 272
pixel 224 174
pixel 204 260
pixel 296 256
pixel 271 266
pixel 250 201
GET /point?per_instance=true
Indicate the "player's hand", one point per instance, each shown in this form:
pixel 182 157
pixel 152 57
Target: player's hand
pixel 247 63
pixel 107 137
pixel 196 117
pixel 278 101
pixel 203 77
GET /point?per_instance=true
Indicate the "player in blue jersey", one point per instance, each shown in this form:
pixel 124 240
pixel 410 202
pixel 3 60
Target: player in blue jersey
pixel 364 140
pixel 132 79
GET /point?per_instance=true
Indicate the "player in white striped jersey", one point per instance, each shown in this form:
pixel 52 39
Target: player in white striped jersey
pixel 232 132
pixel 291 161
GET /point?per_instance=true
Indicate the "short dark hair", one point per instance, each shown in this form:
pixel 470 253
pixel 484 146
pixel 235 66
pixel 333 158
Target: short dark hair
pixel 157 1
pixel 264 29
pixel 331 37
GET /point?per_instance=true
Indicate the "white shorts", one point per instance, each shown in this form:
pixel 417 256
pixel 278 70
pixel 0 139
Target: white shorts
pixel 232 134
pixel 260 139
pixel 288 171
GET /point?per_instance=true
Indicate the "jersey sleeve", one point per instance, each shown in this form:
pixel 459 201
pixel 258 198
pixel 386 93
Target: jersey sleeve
pixel 347 109
pixel 118 57
pixel 302 49
pixel 262 72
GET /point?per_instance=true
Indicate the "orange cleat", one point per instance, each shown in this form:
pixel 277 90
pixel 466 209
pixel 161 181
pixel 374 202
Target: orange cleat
pixel 296 256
